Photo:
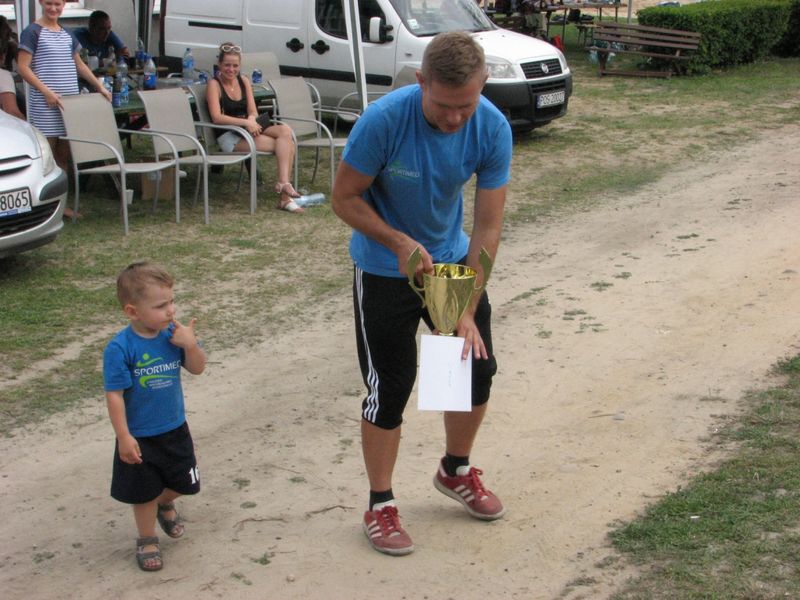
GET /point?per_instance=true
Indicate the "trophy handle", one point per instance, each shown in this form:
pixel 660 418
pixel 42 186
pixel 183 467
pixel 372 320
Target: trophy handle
pixel 411 270
pixel 486 264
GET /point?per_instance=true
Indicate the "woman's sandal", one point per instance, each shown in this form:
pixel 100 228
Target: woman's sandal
pixel 290 206
pixel 172 527
pixel 148 561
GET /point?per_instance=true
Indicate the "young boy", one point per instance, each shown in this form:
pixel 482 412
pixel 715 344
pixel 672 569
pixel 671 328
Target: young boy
pixel 154 460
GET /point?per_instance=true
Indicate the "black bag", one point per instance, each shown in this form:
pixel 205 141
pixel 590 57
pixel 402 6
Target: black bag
pixel 265 120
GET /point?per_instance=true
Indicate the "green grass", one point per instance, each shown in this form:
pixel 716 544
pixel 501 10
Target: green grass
pixel 59 305
pixel 733 533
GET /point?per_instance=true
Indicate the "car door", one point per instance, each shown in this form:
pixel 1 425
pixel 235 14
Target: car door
pixel 330 62
pixel 279 27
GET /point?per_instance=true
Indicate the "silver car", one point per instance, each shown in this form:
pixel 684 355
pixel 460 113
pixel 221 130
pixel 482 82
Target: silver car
pixel 33 190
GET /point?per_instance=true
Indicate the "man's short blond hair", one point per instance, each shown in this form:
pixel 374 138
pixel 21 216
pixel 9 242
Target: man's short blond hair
pixel 453 58
pixel 132 283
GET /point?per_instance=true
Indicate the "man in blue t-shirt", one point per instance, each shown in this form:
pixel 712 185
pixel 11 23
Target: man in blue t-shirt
pixel 400 187
pixel 97 38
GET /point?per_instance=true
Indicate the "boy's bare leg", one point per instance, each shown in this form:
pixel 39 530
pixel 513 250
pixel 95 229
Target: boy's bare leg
pixel 145 517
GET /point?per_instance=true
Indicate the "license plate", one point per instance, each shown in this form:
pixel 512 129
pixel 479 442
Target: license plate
pixel 14 202
pixel 550 99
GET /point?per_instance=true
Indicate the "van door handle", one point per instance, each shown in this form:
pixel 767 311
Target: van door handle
pixel 320 47
pixel 295 45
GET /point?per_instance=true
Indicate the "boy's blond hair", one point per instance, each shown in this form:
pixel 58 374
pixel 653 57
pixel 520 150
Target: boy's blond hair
pixel 452 59
pixel 133 281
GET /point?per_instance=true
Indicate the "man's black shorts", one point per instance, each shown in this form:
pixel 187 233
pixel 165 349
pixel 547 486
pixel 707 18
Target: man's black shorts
pixel 387 316
pixel 168 461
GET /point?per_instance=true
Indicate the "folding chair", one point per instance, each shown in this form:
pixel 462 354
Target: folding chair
pixel 169 112
pixel 295 108
pixel 93 137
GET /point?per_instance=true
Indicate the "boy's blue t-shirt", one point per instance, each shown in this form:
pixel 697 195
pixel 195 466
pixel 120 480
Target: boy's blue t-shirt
pixel 148 370
pixel 420 173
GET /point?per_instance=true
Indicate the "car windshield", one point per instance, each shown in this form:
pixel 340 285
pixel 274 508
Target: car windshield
pixel 429 17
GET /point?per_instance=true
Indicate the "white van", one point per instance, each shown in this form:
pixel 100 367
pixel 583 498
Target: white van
pixel 529 79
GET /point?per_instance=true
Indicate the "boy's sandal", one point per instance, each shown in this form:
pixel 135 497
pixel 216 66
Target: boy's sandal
pixel 148 561
pixel 172 527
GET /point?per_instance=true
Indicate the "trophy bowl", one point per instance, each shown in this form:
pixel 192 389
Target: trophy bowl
pixel 448 291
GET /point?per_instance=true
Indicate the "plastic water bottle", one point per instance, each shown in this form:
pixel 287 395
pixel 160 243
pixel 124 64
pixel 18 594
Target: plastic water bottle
pixel 116 91
pixel 110 62
pixel 140 54
pixel 256 78
pixel 310 199
pixel 150 73
pixel 202 76
pixel 188 65
pixel 122 71
pixel 108 84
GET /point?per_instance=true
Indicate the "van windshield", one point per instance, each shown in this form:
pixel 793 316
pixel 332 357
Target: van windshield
pixel 429 17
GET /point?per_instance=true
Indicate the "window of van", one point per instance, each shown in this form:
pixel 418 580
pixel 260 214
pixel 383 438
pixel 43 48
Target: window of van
pixel 429 17
pixel 330 17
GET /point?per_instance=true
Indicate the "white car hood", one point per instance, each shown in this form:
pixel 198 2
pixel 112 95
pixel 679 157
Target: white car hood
pixel 513 46
pixel 16 138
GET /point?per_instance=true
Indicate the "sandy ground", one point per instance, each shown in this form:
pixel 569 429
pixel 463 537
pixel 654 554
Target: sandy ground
pixel 605 397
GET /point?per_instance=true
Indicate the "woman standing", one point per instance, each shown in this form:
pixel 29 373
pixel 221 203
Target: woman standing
pixel 49 62
pixel 231 102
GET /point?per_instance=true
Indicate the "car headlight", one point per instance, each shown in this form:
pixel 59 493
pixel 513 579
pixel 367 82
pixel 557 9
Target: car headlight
pixel 500 68
pixel 562 59
pixel 48 161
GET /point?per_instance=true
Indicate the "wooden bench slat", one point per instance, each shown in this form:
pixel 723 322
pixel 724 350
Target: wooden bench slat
pixel 645 42
pixel 648 29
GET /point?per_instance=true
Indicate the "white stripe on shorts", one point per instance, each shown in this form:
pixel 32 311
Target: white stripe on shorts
pixel 370 412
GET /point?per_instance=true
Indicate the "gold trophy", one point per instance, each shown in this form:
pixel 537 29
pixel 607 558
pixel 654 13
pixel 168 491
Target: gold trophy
pixel 447 291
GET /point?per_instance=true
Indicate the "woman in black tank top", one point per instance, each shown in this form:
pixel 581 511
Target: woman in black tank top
pixel 231 102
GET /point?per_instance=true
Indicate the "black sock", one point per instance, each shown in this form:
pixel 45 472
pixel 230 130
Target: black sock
pixel 451 463
pixel 378 497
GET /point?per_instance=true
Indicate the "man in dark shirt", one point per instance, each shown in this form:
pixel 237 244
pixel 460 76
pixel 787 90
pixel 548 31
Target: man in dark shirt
pixel 97 38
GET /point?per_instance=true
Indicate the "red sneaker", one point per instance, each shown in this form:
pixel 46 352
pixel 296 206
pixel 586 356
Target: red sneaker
pixel 468 489
pixel 383 530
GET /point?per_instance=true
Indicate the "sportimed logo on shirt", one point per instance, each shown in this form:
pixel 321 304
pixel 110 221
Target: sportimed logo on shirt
pixel 396 169
pixel 151 372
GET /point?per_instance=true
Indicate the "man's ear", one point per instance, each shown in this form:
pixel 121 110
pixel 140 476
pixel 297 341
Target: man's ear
pixel 130 311
pixel 420 78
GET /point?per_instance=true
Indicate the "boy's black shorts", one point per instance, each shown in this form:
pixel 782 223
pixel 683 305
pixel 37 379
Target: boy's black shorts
pixel 168 461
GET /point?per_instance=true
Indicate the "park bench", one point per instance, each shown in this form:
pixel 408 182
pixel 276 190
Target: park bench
pixel 670 47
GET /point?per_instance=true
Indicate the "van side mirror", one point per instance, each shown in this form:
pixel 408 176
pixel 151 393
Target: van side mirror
pixel 378 31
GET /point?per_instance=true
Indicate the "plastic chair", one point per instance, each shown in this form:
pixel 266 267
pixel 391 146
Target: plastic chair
pixel 270 68
pixel 170 113
pixel 295 108
pixel 93 137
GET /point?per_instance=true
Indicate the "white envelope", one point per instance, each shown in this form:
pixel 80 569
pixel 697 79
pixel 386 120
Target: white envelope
pixel 445 381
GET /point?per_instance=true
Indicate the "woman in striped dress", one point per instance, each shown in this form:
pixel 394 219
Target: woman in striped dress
pixel 48 59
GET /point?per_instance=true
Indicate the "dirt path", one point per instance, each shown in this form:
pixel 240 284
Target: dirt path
pixel 604 396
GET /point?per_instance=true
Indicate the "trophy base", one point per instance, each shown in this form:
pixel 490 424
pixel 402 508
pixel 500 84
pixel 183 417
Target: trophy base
pixel 445 381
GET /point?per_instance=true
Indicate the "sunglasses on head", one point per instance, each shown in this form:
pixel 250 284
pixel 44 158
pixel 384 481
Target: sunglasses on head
pixel 225 48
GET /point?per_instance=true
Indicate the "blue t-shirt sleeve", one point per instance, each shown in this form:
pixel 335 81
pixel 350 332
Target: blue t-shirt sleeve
pixel 116 41
pixel 366 144
pixel 116 373
pixel 29 40
pixel 495 169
